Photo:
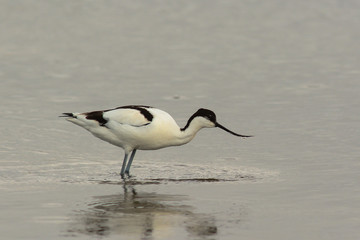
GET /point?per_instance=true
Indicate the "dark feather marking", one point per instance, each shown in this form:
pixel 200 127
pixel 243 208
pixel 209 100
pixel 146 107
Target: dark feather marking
pixel 97 116
pixel 68 115
pixel 135 106
pixel 201 113
pixel 143 110
pixel 141 125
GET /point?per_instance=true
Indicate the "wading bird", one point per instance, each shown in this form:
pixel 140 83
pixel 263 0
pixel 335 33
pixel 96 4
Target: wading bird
pixel 137 127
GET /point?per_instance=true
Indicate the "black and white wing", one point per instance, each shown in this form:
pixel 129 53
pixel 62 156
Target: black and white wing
pixel 133 115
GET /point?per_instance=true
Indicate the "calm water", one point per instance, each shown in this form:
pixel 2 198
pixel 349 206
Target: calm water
pixel 284 71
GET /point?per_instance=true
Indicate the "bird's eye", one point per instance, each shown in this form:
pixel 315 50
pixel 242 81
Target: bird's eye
pixel 210 117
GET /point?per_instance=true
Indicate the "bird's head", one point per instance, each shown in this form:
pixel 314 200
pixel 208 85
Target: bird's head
pixel 207 118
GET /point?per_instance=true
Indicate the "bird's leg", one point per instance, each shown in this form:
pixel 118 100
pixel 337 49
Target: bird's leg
pixel 127 170
pixel 123 165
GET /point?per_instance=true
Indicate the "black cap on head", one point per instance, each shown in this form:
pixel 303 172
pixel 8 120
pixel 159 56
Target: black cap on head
pixel 206 113
pixel 211 116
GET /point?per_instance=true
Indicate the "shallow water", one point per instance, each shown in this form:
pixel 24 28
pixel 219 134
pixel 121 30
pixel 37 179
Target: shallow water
pixel 286 72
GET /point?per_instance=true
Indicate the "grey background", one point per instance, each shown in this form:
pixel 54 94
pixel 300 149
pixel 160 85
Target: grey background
pixel 284 71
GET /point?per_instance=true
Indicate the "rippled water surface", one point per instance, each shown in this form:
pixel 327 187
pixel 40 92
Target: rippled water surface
pixel 286 72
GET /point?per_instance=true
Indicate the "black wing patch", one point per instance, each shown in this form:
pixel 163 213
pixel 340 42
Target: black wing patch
pixel 143 110
pixel 97 116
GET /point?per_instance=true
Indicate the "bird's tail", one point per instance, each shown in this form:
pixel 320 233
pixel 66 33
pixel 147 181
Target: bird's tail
pixel 67 115
pixel 80 120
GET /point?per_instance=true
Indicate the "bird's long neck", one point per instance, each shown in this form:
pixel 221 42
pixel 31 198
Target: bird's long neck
pixel 187 133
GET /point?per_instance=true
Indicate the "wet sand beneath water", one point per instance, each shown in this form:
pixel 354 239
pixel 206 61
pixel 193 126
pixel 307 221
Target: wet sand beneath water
pixel 158 208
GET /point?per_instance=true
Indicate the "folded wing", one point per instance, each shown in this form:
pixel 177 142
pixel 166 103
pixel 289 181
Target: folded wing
pixel 136 116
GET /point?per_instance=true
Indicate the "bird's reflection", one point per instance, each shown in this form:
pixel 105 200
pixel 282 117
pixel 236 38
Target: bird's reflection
pixel 142 215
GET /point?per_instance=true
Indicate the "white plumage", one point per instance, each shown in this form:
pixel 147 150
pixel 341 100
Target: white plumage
pixel 142 127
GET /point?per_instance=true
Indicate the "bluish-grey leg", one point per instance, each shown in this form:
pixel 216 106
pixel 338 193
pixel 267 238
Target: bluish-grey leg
pixel 124 165
pixel 127 171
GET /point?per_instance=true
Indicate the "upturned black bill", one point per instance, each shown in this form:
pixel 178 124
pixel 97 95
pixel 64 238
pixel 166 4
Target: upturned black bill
pixel 229 131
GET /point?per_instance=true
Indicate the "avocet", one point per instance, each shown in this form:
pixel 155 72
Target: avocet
pixel 137 127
